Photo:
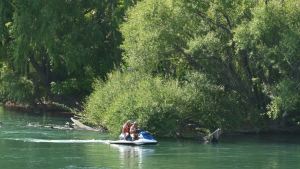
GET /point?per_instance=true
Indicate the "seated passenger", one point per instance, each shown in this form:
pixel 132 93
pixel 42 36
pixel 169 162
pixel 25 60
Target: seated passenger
pixel 126 129
pixel 134 130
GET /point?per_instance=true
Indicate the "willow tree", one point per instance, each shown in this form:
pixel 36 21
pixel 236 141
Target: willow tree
pixel 173 37
pixel 67 44
pixel 235 43
pixel 271 40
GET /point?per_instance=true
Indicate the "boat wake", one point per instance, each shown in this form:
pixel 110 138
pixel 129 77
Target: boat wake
pixel 58 141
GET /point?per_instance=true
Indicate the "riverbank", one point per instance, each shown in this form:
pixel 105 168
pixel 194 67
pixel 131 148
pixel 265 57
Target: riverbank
pixel 272 127
pixel 35 108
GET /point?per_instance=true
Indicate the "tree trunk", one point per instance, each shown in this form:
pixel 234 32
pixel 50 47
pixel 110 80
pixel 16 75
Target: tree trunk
pixel 43 70
pixel 250 82
pixel 284 119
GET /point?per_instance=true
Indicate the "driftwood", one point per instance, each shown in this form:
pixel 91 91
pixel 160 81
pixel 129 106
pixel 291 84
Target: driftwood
pixel 82 126
pixel 215 135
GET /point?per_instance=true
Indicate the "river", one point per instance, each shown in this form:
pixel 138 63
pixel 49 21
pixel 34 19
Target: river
pixel 37 147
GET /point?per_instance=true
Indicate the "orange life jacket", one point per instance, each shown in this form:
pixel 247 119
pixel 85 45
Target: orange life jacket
pixel 127 129
pixel 135 131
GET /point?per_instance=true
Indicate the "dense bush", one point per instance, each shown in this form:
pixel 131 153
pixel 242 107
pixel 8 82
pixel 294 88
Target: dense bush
pixel 160 106
pixel 249 47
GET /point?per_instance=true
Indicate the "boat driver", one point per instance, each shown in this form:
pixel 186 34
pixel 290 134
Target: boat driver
pixel 134 130
pixel 126 129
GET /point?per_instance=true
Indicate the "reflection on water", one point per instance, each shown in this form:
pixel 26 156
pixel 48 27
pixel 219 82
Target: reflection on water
pixel 132 155
pixel 127 151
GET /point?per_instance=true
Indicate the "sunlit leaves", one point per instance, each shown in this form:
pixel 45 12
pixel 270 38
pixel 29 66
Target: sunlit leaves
pixel 159 105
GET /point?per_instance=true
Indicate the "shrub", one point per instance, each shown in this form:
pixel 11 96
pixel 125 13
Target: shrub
pixel 161 106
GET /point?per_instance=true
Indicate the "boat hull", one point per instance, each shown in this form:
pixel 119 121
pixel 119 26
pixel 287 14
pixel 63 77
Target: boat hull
pixel 136 142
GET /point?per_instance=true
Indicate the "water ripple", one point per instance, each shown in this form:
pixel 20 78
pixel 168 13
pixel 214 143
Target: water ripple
pixel 57 141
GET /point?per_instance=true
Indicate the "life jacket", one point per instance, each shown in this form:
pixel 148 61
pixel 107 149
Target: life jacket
pixel 127 129
pixel 135 131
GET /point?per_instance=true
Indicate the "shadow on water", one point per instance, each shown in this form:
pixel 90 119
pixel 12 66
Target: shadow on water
pixel 265 138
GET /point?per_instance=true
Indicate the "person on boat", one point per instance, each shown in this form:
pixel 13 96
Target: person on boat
pixel 126 129
pixel 134 130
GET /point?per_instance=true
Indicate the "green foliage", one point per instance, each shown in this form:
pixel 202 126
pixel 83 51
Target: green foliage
pixel 173 37
pixel 74 110
pixel 76 86
pixel 283 98
pixel 249 47
pixel 159 105
pixel 272 36
pixel 16 88
pixel 67 43
pixel 244 56
pixel 150 32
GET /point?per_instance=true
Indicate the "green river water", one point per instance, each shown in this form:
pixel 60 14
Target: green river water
pixel 36 147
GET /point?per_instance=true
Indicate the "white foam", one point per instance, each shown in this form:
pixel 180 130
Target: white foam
pixel 57 141
pixel 68 141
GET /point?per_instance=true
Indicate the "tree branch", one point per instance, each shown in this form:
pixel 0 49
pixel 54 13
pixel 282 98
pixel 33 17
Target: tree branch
pixel 7 40
pixel 227 19
pixel 204 16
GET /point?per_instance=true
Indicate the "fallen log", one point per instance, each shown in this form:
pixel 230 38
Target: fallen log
pixel 82 126
pixel 215 135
